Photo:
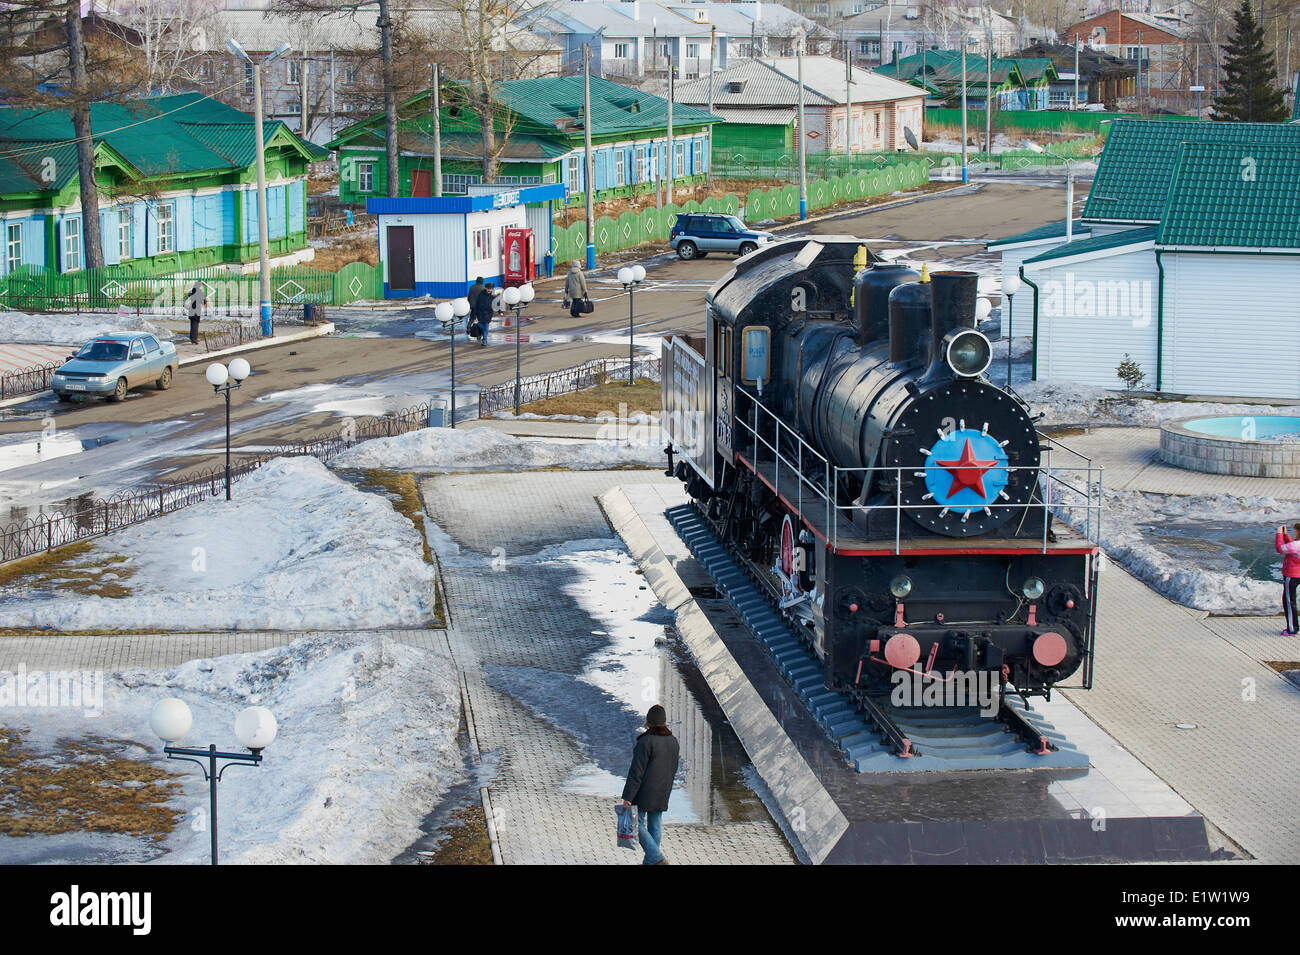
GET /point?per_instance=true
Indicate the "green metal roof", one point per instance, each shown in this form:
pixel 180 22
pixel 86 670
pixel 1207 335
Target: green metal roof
pixel 1137 164
pixel 166 135
pixel 1100 243
pixel 614 107
pixel 1053 230
pixel 1234 195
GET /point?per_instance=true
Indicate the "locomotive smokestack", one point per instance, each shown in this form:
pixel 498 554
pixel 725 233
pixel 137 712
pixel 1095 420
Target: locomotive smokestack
pixel 871 288
pixel 909 320
pixel 952 306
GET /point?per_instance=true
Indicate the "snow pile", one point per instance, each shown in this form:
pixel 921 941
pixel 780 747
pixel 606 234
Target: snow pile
pixel 1200 575
pixel 485 449
pixel 297 549
pixel 1067 403
pixel 366 747
pixel 57 328
pixel 636 417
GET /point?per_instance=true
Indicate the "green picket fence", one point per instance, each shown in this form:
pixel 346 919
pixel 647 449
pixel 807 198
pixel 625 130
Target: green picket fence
pixel 779 202
pixel 32 288
pixel 1013 121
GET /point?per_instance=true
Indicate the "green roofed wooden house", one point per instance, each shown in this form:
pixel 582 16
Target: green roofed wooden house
pixel 1187 258
pixel 177 187
pixel 540 123
pixel 1018 82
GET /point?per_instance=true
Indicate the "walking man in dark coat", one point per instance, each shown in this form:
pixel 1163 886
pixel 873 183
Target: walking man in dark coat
pixel 650 781
pixel 482 311
pixel 472 296
pixel 194 303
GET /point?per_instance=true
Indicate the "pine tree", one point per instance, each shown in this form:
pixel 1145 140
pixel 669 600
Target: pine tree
pixel 1249 92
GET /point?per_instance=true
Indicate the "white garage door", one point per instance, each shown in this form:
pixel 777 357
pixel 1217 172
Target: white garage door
pixel 1091 314
pixel 1231 325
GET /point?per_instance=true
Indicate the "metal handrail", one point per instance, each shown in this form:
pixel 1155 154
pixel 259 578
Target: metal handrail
pixel 1047 476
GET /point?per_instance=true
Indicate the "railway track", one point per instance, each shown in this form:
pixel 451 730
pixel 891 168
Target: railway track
pixel 873 737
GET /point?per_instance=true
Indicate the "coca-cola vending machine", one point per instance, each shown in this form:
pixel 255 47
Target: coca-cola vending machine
pixel 519 256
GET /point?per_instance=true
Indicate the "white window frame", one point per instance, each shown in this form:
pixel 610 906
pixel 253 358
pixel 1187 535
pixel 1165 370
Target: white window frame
pixel 620 168
pixel 622 51
pixel 692 51
pixel 697 155
pixel 166 227
pixel 13 245
pixel 575 174
pixel 642 166
pixel 482 243
pixel 72 244
pixel 679 159
pixel 293 71
pixel 365 177
pixel 125 232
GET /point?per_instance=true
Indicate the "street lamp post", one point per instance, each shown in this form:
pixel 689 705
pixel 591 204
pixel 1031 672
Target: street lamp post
pixel 264 255
pixel 631 277
pixel 517 298
pixel 223 381
pixel 450 314
pixel 1198 90
pixel 255 728
pixel 1010 286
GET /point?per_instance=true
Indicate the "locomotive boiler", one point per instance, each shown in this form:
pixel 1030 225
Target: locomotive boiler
pixel 836 425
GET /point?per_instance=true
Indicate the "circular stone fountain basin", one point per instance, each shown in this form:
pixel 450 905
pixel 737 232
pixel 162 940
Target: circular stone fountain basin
pixel 1246 445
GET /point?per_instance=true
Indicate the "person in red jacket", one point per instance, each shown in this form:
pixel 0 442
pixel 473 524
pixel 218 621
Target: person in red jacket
pixel 1289 548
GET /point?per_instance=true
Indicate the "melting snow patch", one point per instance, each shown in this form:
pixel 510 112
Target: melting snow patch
pixel 57 328
pixel 297 549
pixel 485 449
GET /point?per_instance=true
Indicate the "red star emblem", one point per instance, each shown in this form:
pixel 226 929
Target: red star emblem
pixel 966 471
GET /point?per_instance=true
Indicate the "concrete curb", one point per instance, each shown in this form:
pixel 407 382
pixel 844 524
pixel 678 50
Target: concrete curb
pixel 810 816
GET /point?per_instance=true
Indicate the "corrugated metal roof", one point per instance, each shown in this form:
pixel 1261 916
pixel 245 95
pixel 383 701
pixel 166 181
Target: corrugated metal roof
pixel 614 107
pixel 1137 164
pixel 1100 243
pixel 757 116
pixel 1234 195
pixel 762 84
pixel 1053 230
pixel 825 75
pixel 648 18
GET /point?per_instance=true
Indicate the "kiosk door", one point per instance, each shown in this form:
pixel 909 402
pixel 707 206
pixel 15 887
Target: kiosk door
pixel 401 258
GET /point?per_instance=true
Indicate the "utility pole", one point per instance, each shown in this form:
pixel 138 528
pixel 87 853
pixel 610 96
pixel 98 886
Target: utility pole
pixel 1076 70
pixel 302 90
pixel 437 129
pixel 671 168
pixel 848 109
pixel 1141 98
pixel 803 132
pixel 964 175
pixel 988 96
pixel 713 38
pixel 588 167
pixel 332 123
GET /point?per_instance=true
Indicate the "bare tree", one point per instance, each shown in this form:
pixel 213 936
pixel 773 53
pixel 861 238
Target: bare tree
pixel 172 36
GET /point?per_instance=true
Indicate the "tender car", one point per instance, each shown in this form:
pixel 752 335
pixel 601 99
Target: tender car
pixel 110 365
pixel 696 234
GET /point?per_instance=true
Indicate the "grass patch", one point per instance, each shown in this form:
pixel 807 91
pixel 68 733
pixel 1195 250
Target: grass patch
pixel 86 786
pixel 72 569
pixel 404 494
pixel 642 396
pixel 467 842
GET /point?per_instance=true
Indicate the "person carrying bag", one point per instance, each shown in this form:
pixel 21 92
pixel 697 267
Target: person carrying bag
pixel 576 296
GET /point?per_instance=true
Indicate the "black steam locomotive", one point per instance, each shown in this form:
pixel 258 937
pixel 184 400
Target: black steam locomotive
pixel 835 425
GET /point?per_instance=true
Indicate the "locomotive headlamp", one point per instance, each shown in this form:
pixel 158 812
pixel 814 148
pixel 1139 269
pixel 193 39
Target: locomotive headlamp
pixel 1033 588
pixel 968 353
pixel 900 586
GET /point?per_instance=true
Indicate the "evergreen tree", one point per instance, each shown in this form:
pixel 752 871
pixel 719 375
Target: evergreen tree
pixel 1249 92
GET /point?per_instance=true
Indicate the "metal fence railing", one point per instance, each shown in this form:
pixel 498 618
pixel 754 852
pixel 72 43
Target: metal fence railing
pixel 26 381
pixel 587 375
pixel 87 518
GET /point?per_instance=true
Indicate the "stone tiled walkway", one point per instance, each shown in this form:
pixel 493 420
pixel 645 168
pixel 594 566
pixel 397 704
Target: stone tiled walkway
pixel 1158 665
pixel 514 628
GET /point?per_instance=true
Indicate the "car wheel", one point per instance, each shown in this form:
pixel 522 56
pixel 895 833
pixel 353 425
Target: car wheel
pixel 119 393
pixel 747 247
pixel 165 380
pixel 687 250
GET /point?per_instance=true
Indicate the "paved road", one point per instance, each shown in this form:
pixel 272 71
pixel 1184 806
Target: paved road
pixel 383 360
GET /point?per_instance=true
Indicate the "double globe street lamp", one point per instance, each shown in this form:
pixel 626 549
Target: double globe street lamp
pixel 255 728
pixel 516 298
pixel 224 380
pixel 450 314
pixel 631 276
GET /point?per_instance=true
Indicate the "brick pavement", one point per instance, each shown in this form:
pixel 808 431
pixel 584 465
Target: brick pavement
pixel 513 627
